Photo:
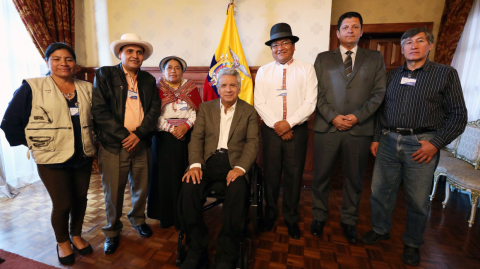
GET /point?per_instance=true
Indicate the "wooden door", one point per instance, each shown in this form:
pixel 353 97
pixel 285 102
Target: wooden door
pixel 389 47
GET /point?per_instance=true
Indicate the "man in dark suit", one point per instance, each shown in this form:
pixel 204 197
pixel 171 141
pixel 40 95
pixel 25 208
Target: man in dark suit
pixel 223 147
pixel 351 87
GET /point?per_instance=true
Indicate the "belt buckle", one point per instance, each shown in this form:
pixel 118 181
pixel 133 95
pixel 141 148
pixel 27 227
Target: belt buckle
pixel 402 130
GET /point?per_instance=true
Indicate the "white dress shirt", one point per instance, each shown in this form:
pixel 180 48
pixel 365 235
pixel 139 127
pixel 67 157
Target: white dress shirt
pixel 353 55
pixel 225 124
pixel 301 84
pixel 171 111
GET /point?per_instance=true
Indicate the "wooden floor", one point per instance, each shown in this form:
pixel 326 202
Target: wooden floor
pixel 25 230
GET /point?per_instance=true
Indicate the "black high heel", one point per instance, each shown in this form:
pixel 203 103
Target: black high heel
pixel 70 259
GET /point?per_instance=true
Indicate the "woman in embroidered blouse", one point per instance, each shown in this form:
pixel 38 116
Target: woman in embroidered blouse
pixel 180 101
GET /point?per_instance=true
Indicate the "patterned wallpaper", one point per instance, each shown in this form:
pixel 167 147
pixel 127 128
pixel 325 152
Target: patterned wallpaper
pixel 191 28
pixel 387 11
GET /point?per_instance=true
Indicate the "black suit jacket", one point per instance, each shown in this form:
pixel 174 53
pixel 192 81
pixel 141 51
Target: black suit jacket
pixel 360 95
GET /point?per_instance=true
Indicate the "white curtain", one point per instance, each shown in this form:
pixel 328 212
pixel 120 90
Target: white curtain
pixel 467 61
pixel 19 59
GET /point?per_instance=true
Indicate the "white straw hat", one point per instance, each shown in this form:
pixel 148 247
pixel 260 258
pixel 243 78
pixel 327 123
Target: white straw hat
pixel 131 39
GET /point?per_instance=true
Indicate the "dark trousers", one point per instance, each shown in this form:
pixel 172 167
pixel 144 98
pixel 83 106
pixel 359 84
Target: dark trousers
pixel 116 170
pixel 288 156
pixel 68 188
pixel 354 151
pixel 192 198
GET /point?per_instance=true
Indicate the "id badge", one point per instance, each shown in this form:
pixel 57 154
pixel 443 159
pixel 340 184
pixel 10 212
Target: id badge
pixel 408 81
pixel 74 111
pixel 132 94
pixel 182 106
pixel 282 92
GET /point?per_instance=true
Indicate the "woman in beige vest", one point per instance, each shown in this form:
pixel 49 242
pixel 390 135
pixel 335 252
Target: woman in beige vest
pixel 51 116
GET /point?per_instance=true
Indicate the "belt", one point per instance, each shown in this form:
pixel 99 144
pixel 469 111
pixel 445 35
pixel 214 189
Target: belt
pixel 222 150
pixel 409 131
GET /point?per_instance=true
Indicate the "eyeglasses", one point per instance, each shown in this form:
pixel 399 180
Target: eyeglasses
pixel 282 44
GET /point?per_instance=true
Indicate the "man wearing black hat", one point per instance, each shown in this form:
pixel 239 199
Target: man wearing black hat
pixel 351 87
pixel 285 96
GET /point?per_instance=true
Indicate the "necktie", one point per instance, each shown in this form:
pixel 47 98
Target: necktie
pixel 348 64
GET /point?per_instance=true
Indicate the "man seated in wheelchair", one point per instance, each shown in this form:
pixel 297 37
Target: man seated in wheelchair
pixel 223 147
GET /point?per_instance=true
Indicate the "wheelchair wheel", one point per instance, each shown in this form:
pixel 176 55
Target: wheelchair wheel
pixel 257 198
pixel 181 249
pixel 243 261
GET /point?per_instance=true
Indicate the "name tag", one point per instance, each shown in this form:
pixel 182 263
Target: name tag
pixel 408 81
pixel 132 94
pixel 282 92
pixel 182 105
pixel 74 111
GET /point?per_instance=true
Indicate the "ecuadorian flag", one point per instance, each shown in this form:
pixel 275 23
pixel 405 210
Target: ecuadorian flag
pixel 229 54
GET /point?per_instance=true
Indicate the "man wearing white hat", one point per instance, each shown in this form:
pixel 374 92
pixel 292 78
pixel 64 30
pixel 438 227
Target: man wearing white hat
pixel 125 109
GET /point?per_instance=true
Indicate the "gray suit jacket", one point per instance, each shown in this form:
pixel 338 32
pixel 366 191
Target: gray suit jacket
pixel 360 95
pixel 243 137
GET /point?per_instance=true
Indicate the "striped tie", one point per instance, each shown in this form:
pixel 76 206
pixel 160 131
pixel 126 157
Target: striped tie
pixel 348 64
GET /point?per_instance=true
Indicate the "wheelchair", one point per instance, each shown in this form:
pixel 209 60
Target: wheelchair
pixel 254 205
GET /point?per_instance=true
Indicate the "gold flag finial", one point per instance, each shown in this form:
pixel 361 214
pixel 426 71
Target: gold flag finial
pixel 232 3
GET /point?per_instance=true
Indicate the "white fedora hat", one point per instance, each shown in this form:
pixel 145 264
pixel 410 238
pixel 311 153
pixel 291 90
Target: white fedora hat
pixel 131 39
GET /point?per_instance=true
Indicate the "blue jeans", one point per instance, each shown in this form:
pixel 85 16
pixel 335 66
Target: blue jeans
pixel 394 163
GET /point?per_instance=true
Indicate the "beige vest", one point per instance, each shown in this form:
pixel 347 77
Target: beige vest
pixel 49 131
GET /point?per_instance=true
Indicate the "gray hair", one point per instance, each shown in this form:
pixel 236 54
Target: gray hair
pixel 415 31
pixel 230 72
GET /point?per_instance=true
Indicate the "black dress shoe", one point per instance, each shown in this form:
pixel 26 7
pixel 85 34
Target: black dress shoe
pixel 144 230
pixel 316 229
pixel 70 259
pixel 293 230
pixel 268 224
pixel 371 237
pixel 225 265
pixel 111 244
pixel 189 263
pixel 350 232
pixel 411 255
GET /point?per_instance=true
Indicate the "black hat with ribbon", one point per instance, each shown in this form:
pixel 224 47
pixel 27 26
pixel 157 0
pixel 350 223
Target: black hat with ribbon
pixel 280 31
